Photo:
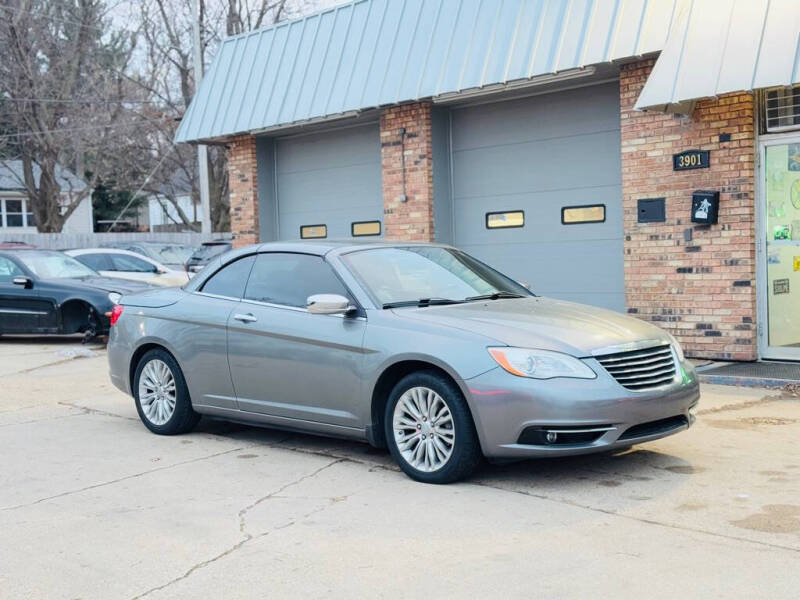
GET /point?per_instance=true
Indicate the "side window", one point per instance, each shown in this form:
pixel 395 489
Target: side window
pixel 231 279
pixel 289 279
pixel 123 262
pixel 98 262
pixel 8 270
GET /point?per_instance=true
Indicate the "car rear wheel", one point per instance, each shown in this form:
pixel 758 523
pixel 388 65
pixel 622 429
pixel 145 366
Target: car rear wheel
pixel 429 429
pixel 162 398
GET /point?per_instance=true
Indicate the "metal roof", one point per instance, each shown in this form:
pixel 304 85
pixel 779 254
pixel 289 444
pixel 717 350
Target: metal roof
pixel 725 46
pixel 371 53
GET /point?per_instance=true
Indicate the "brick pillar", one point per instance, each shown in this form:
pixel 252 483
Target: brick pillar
pixel 412 219
pixel 701 289
pixel 243 185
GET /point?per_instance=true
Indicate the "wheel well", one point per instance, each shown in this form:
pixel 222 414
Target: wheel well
pixel 75 315
pixel 384 387
pixel 137 356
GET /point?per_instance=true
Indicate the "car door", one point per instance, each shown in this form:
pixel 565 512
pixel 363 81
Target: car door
pixel 20 307
pixel 287 362
pixel 201 335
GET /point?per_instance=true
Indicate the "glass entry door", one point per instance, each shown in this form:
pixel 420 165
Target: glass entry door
pixel 779 249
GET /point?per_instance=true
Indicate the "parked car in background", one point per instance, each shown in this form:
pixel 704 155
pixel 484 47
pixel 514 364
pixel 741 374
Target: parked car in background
pixel 203 255
pixel 419 347
pixel 9 245
pixel 170 254
pixel 44 291
pixel 111 262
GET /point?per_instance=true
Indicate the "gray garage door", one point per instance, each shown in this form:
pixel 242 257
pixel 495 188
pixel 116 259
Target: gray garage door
pixel 537 156
pixel 328 181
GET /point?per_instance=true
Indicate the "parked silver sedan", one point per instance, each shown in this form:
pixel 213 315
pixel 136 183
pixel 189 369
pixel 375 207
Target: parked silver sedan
pixel 420 348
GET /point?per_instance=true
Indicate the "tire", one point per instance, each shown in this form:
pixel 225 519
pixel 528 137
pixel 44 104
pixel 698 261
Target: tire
pixel 431 392
pixel 151 367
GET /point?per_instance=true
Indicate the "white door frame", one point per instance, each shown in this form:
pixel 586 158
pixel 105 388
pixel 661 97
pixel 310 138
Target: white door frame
pixel 762 282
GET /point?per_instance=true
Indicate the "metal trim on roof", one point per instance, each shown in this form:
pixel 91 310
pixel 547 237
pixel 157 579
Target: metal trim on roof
pixel 725 46
pixel 371 53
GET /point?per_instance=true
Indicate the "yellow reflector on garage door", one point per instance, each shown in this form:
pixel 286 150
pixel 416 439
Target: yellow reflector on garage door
pixel 313 231
pixel 499 220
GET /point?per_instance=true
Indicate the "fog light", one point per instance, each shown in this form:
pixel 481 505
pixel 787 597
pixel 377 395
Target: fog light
pixel 551 437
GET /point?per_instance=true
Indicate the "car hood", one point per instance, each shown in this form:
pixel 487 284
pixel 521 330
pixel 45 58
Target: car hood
pixel 106 284
pixel 543 323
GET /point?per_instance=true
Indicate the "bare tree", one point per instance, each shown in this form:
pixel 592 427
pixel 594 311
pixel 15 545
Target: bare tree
pixel 168 77
pixel 65 99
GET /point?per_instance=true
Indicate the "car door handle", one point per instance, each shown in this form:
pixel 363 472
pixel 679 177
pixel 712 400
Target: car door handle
pixel 248 318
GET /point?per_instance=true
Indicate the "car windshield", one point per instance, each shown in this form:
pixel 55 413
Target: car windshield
pixel 170 254
pixel 209 251
pixel 55 265
pixel 424 275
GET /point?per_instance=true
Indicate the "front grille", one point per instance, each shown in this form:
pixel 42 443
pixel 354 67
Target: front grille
pixel 655 427
pixel 641 369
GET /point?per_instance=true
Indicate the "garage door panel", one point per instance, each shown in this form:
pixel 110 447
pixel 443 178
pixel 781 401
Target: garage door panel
pixel 331 178
pixel 583 161
pixel 560 267
pixel 337 148
pixel 542 209
pixel 539 118
pixel 539 155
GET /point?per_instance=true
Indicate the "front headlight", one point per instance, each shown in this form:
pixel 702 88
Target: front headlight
pixel 114 297
pixel 677 346
pixel 540 364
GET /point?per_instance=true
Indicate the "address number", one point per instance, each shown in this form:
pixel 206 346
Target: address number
pixel 691 159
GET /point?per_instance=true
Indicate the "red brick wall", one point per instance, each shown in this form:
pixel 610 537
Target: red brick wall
pixel 703 290
pixel 411 220
pixel 243 183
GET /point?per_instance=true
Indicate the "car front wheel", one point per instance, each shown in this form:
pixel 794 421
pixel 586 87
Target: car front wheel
pixel 429 429
pixel 162 398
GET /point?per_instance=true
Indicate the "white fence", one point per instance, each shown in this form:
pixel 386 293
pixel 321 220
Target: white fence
pixel 66 241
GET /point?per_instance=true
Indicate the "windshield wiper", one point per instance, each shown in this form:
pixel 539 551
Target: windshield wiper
pixel 495 296
pixel 422 302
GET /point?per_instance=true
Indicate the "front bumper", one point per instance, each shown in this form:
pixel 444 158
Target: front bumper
pixel 504 406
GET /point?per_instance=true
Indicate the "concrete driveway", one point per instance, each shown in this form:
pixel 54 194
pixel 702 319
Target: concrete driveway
pixel 94 506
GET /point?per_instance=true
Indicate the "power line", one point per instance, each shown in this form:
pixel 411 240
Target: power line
pixel 141 187
pixel 32 133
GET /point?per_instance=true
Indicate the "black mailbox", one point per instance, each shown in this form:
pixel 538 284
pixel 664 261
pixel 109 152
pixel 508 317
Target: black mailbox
pixel 651 210
pixel 705 207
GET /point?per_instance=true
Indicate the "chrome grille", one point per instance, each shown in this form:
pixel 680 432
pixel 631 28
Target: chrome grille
pixel 641 369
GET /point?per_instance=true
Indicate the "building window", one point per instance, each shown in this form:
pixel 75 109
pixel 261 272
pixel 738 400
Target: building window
pixel 14 213
pixel 502 220
pixel 364 228
pixel 573 215
pixel 782 109
pixel 308 232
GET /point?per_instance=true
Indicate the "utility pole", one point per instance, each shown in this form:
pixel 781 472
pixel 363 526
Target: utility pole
pixel 202 151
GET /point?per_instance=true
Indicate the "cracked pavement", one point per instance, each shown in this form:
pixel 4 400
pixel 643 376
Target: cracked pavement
pixel 94 506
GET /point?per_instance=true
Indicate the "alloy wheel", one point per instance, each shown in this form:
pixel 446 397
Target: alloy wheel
pixel 424 430
pixel 157 392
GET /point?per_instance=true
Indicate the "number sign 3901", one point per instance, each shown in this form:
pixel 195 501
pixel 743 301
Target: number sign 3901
pixel 690 159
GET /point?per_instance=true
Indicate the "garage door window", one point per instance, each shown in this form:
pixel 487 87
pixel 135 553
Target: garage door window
pixel 573 215
pixel 503 220
pixel 365 228
pixel 310 232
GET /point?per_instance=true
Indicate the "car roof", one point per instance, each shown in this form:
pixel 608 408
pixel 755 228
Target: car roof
pixel 323 247
pixel 79 251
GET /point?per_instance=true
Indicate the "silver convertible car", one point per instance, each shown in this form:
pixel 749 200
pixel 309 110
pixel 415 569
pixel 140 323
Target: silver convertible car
pixel 418 347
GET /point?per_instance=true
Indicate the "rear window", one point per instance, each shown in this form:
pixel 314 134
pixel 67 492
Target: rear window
pixel 210 251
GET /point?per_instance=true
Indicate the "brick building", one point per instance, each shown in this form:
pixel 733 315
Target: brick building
pixel 583 146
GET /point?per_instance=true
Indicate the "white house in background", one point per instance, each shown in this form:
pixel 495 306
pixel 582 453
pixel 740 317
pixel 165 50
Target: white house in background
pixel 15 211
pixel 162 214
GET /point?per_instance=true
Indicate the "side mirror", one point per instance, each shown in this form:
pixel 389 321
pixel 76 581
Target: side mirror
pixel 328 304
pixel 25 282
